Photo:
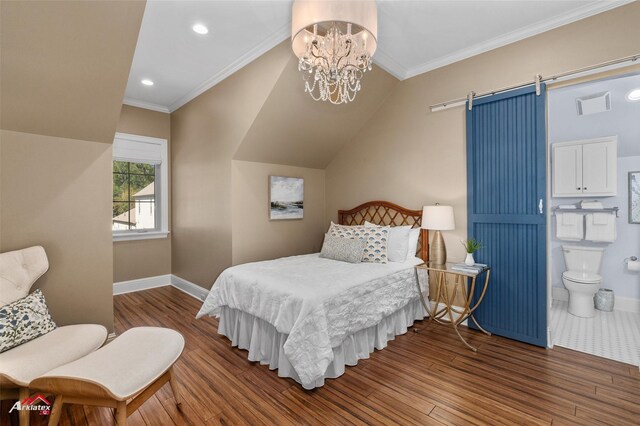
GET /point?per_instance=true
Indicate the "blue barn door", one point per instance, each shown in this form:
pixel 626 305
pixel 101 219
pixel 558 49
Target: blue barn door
pixel 506 184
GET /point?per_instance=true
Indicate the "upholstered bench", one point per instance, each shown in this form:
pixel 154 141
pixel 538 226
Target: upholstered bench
pixel 133 366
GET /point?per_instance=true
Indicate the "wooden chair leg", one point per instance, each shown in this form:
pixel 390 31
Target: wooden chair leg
pixel 23 393
pixel 56 411
pixel 174 386
pixel 121 413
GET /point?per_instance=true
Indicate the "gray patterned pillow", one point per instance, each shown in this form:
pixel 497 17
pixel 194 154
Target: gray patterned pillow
pixel 376 238
pixel 343 249
pixel 24 320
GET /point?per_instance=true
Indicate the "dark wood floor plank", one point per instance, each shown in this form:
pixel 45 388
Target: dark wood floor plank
pixel 154 413
pixel 449 416
pixel 546 363
pixel 618 419
pixel 317 402
pixel 99 416
pixel 431 385
pixel 390 411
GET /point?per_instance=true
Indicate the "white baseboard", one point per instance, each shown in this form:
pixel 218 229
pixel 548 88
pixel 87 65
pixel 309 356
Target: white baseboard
pixel 190 288
pixel 123 287
pixel 623 304
pixel 110 337
pixel 141 284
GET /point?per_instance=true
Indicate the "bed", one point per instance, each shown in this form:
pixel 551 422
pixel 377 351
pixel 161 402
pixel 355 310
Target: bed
pixel 309 317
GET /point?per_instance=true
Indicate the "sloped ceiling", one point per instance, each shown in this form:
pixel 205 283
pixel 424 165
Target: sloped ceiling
pixel 64 66
pixel 293 129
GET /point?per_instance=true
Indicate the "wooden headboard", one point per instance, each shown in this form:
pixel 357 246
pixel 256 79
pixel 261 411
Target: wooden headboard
pixel 388 214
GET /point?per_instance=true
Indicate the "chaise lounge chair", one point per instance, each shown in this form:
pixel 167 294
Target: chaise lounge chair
pixel 20 365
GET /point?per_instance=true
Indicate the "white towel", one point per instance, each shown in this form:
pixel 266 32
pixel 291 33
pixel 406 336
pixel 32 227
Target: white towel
pixel 570 219
pixel 605 232
pixel 601 218
pixel 591 205
pixel 572 230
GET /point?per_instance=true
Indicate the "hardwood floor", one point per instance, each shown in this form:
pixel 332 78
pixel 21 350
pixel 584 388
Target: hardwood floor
pixel 424 378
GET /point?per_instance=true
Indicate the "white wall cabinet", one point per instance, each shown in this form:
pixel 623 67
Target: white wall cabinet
pixel 585 168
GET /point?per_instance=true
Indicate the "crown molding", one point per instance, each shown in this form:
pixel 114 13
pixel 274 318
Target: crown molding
pixel 260 49
pixel 514 36
pixel 145 105
pixel 387 63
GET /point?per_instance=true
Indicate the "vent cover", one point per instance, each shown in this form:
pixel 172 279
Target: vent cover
pixel 593 104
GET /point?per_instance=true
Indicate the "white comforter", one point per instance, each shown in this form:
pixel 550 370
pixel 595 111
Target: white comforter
pixel 316 301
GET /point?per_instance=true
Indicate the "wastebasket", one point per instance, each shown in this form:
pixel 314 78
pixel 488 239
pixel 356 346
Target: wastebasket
pixel 604 300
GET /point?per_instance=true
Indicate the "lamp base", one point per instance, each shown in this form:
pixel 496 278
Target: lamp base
pixel 438 249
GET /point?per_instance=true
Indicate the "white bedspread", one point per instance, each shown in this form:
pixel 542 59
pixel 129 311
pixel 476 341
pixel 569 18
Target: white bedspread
pixel 316 301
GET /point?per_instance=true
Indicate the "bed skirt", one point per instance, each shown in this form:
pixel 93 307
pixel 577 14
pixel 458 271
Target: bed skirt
pixel 266 345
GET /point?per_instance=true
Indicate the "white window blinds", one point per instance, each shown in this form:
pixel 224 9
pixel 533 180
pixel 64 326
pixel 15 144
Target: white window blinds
pixel 137 150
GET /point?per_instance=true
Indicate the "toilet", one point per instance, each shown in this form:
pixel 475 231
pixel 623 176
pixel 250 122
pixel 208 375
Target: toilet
pixel 581 278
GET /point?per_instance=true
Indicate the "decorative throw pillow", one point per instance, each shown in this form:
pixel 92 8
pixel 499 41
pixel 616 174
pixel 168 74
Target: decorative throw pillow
pixel 343 249
pixel 376 239
pixel 398 245
pixel 24 320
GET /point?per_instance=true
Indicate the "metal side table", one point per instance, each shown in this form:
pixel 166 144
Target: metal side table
pixel 443 310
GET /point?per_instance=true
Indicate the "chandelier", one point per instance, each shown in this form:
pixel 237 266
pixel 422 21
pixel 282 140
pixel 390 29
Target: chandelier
pixel 334 42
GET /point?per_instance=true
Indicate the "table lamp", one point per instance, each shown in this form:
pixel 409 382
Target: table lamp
pixel 438 218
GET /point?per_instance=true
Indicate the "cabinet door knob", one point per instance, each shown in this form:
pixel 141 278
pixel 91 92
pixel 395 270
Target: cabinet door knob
pixel 578 188
pixel 584 187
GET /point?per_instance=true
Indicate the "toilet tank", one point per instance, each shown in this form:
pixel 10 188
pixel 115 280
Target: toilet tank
pixel 584 259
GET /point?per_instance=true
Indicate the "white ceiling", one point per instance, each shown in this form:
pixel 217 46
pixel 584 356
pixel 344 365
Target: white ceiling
pixel 413 37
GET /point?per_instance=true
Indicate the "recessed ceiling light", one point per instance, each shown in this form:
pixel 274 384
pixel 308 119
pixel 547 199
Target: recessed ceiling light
pixel 200 29
pixel 634 95
pixel 146 82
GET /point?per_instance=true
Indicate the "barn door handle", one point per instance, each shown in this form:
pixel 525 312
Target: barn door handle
pixel 541 206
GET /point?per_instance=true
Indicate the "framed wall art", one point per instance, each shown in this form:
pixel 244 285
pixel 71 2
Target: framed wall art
pixel 286 198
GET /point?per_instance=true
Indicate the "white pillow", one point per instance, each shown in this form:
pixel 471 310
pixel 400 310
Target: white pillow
pixel 414 236
pixel 398 245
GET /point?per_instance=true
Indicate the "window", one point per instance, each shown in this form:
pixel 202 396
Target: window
pixel 140 182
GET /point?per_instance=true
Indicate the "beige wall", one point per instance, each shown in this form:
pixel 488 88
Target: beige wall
pixel 261 115
pixel 413 157
pixel 205 134
pixel 143 258
pixel 63 74
pixel 255 237
pixel 293 129
pixel 64 65
pixel 57 193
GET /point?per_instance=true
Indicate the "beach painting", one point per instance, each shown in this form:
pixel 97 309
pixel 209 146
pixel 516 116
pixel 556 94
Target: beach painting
pixel 286 198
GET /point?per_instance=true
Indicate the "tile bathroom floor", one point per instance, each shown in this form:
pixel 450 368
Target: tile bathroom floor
pixel 613 335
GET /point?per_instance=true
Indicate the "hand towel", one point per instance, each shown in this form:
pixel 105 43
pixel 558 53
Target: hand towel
pixel 601 218
pixel 605 233
pixel 570 219
pixel 573 230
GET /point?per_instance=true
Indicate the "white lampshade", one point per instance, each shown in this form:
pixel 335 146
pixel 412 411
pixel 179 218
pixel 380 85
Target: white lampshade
pixel 438 218
pixel 362 13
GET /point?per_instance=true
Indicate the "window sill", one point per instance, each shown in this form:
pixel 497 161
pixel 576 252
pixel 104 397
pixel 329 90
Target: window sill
pixel 140 236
